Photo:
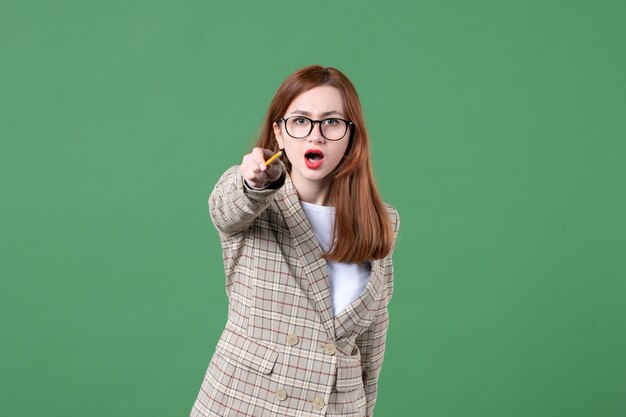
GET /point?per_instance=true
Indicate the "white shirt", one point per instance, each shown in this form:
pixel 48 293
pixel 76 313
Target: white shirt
pixel 347 281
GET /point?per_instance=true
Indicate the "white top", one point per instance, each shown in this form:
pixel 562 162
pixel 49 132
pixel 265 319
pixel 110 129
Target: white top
pixel 347 281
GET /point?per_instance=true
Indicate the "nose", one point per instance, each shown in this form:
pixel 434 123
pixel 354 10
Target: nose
pixel 316 133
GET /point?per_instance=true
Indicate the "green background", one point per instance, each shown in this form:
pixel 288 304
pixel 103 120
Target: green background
pixel 498 131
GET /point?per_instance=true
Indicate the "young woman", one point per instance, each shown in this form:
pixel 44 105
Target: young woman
pixel 307 246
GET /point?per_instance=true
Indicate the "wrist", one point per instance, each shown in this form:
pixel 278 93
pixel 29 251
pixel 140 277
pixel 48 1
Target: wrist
pixel 255 188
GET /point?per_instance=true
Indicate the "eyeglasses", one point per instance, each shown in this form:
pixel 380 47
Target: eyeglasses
pixel 299 127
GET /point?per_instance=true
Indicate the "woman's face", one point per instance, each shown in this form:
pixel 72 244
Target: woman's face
pixel 313 157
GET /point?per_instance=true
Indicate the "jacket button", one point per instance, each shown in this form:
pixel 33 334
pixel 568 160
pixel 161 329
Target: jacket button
pixel 330 348
pixel 292 340
pixel 318 403
pixel 281 394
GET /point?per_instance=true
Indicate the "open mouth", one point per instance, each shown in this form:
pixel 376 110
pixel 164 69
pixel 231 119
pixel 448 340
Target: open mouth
pixel 314 155
pixel 313 158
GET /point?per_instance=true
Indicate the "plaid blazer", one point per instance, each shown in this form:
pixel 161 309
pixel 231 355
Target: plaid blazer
pixel 282 352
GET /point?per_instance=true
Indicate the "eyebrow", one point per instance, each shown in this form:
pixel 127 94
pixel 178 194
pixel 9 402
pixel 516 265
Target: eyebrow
pixel 306 113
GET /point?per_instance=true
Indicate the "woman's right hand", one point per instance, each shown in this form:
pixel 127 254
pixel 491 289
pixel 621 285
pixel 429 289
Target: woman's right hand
pixel 254 171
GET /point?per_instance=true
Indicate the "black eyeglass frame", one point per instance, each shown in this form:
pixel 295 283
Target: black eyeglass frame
pixel 347 122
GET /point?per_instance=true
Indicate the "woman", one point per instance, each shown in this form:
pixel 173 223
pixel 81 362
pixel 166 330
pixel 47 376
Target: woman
pixel 307 246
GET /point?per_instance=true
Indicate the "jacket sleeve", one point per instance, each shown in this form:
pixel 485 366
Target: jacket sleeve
pixel 233 206
pixel 372 342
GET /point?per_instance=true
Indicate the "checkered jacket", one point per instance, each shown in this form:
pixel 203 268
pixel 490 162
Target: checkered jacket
pixel 283 352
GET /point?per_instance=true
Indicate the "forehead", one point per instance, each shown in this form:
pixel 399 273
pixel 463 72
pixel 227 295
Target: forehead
pixel 318 100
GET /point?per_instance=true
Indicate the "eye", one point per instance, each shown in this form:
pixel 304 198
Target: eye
pixel 331 122
pixel 299 120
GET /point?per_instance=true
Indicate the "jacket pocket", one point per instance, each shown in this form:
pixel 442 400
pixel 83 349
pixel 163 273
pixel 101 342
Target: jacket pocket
pixel 349 374
pixel 246 351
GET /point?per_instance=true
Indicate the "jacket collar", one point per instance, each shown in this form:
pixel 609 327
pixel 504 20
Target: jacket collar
pixel 314 268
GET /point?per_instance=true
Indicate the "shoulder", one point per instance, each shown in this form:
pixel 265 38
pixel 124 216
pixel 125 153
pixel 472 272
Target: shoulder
pixel 394 217
pixel 231 173
pixel 231 176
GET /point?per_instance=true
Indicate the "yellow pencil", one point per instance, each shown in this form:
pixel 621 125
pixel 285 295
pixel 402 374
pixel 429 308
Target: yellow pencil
pixel 273 158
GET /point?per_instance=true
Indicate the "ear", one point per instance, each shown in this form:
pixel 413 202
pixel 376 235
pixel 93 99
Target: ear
pixel 279 135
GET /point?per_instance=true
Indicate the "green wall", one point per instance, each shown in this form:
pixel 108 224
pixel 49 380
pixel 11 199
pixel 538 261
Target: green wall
pixel 498 132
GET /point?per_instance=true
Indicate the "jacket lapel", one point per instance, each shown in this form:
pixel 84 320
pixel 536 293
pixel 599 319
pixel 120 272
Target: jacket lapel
pixel 314 269
pixel 359 314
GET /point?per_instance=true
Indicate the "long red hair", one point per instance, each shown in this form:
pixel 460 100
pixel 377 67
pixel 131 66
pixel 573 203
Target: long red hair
pixel 362 228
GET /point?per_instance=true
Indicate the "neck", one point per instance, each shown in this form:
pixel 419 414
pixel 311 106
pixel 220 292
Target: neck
pixel 312 191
